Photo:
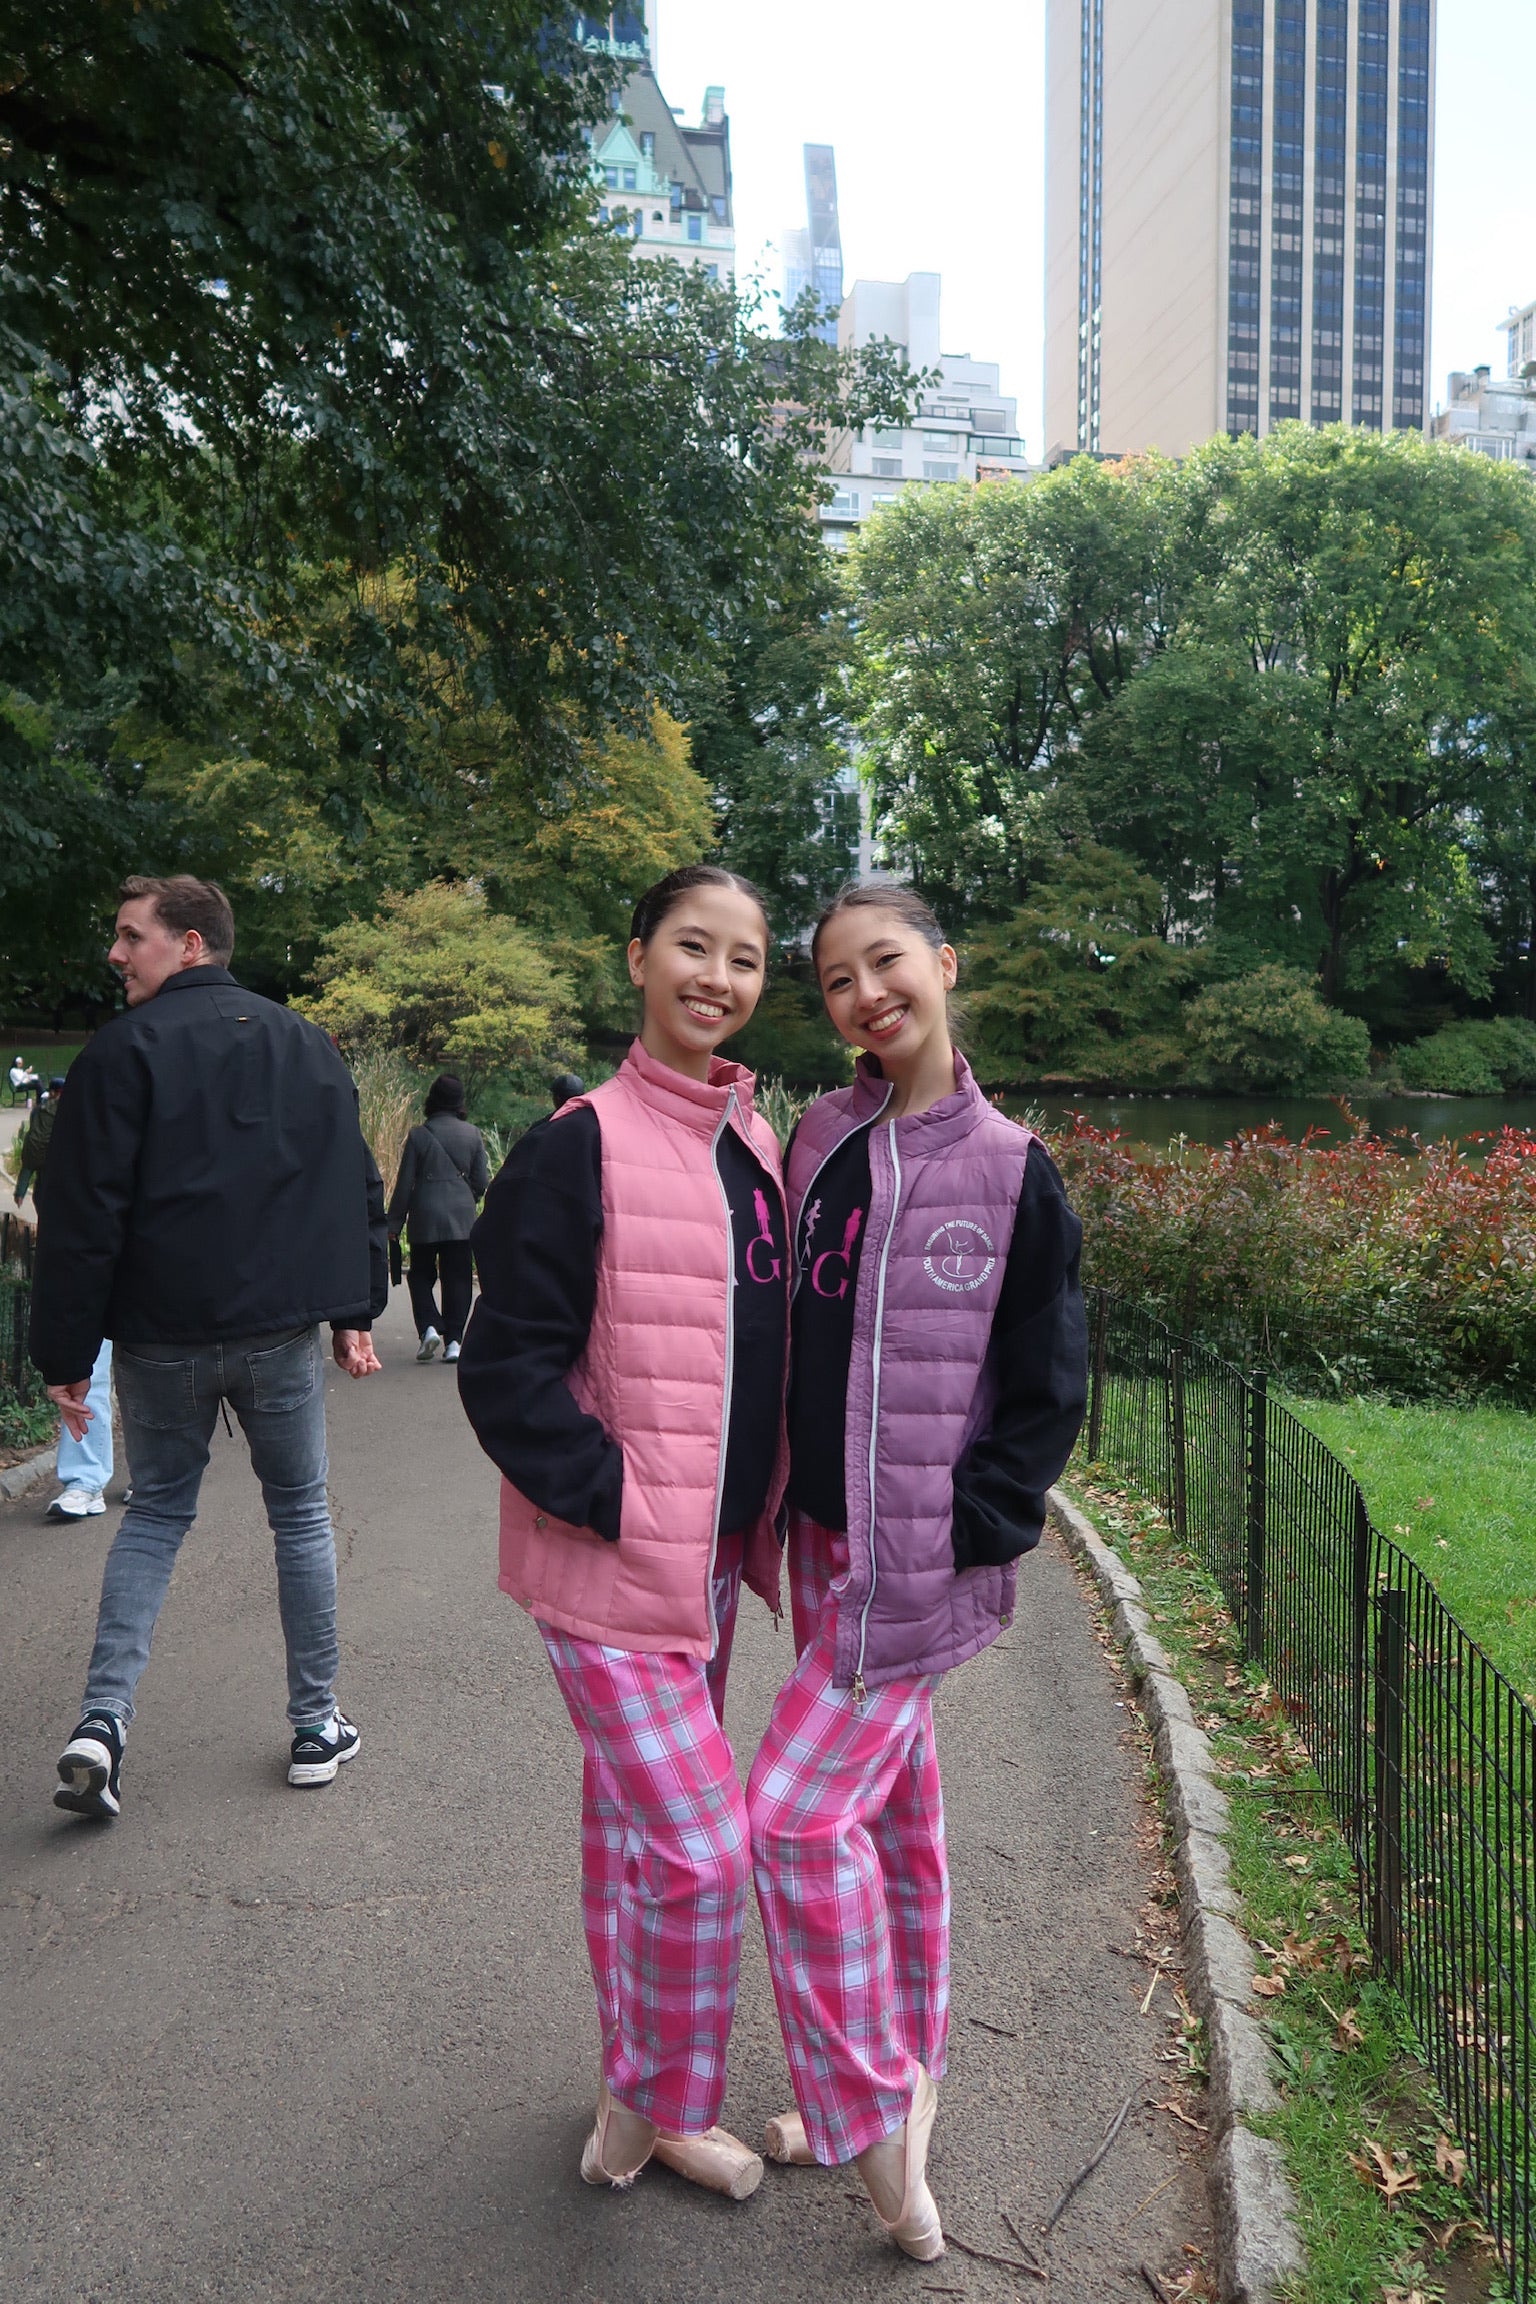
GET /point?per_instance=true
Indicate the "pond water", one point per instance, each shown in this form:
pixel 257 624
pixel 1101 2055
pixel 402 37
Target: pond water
pixel 1153 1121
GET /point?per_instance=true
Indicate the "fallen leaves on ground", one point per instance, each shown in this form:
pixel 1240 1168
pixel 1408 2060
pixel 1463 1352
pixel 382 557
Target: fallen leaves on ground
pixel 1384 2171
pixel 1269 1987
pixel 1450 2161
pixel 1347 2032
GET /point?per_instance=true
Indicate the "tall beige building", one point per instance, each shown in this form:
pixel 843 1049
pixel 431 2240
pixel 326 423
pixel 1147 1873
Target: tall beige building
pixel 1238 217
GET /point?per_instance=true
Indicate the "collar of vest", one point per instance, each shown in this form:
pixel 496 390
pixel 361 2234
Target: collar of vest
pixel 941 1125
pixel 696 1104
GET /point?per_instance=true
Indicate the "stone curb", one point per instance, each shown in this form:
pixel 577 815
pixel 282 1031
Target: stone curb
pixel 27 1473
pixel 1258 2240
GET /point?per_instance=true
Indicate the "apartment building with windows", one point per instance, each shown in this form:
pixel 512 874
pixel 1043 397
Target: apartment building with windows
pixel 1494 417
pixel 1520 334
pixel 1239 211
pixel 664 185
pixel 966 427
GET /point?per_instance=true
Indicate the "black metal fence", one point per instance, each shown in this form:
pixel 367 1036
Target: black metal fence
pixel 17 1378
pixel 1426 1752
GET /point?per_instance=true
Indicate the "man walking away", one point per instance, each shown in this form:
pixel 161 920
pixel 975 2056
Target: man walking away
pixel 210 1201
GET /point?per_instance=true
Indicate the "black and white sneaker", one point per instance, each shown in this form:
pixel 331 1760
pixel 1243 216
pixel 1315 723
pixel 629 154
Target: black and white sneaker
pixel 317 1753
pixel 90 1766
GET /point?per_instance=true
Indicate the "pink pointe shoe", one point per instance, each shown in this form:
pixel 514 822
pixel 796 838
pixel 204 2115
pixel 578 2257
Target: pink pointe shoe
pixel 717 2160
pixel 894 2178
pixel 619 2146
pixel 785 2140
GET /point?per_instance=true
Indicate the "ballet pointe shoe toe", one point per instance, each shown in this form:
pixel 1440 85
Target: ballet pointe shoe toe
pixel 717 2160
pixel 619 2146
pixel 784 2140
pixel 895 2177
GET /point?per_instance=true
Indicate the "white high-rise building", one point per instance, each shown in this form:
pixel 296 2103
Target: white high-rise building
pixel 1520 335
pixel 1238 218
pixel 966 427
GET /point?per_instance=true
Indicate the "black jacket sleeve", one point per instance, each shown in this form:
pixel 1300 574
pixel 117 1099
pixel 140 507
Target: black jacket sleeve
pixel 378 1238
pixel 536 1244
pixel 405 1183
pixel 1039 1355
pixel 93 1164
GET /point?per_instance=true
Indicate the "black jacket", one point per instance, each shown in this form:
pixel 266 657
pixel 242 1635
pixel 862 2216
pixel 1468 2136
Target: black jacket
pixel 207 1178
pixel 442 1180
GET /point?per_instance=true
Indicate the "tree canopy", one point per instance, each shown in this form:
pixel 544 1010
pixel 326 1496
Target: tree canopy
pixel 1291 683
pixel 340 438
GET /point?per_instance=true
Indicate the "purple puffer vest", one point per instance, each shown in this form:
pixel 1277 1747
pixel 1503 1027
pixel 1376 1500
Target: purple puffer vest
pixel 944 1194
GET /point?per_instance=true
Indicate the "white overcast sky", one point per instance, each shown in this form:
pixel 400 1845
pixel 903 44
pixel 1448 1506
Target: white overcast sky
pixel 937 118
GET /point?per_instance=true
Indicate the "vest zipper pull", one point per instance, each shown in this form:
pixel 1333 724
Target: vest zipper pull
pixel 859 1690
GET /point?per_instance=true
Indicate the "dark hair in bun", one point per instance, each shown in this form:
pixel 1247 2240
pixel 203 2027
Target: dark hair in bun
pixel 884 896
pixel 667 894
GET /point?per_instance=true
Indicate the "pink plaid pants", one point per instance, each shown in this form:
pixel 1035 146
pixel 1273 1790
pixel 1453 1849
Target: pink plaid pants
pixel 664 1862
pixel 847 1824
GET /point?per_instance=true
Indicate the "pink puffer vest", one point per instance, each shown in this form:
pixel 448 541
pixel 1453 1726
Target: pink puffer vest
pixel 655 1373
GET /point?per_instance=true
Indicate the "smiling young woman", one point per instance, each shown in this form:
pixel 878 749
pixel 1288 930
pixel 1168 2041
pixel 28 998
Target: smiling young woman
pixel 625 1370
pixel 939 1372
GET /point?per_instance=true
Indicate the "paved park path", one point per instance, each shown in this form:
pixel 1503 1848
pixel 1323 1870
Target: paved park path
pixel 273 2047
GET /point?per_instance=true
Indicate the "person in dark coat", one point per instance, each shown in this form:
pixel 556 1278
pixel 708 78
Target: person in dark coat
pixel 442 1180
pixel 39 1135
pixel 210 1200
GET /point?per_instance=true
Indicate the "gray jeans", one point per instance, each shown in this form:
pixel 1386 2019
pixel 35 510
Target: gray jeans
pixel 169 1395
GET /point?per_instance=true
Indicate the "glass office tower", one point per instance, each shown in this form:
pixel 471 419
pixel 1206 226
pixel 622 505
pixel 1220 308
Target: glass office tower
pixel 1239 205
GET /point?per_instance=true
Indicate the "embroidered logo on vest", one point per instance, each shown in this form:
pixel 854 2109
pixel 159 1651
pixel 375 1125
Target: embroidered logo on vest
pixel 959 1256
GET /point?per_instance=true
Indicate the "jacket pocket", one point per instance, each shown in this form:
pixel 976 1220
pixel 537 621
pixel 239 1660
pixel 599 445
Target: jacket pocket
pixel 285 1376
pixel 159 1394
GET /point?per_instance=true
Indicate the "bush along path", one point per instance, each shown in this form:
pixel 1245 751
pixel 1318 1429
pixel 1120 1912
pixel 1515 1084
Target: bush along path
pixel 1338 2176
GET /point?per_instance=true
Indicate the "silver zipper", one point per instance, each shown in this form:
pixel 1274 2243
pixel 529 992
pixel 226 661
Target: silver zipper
pixel 874 1414
pixel 730 1369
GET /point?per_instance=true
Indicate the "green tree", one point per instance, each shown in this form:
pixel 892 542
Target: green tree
pixel 1345 699
pixel 330 413
pixel 1270 1030
pixel 1078 985
pixel 1292 680
pixel 440 976
pixel 994 624
pixel 770 734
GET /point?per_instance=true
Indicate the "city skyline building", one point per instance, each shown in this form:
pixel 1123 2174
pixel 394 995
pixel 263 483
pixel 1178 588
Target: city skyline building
pixel 665 185
pixel 1239 203
pixel 965 428
pixel 1519 332
pixel 813 255
pixel 1493 416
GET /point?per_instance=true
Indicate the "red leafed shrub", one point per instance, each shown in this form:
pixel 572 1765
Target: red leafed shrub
pixel 1369 1265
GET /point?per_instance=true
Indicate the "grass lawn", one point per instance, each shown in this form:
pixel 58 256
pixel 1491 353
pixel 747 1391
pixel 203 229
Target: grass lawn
pixel 1457 1489
pixel 46 1061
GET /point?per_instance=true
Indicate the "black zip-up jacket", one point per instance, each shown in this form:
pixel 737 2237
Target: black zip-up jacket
pixel 207 1179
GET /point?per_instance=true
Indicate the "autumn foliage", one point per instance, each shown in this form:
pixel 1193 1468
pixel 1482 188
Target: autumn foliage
pixel 1371 1264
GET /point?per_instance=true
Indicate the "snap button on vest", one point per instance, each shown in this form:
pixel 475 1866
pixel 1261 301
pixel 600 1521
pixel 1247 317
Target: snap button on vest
pixel 541 1520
